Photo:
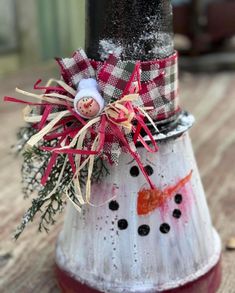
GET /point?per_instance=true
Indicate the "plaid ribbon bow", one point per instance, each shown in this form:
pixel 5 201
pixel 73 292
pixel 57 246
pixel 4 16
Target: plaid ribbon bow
pixel 116 129
pixel 114 76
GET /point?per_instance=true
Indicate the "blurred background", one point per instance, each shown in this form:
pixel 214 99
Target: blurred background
pixel 32 33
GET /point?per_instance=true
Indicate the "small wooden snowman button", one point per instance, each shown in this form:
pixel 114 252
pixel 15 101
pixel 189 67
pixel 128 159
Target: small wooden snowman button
pixel 88 102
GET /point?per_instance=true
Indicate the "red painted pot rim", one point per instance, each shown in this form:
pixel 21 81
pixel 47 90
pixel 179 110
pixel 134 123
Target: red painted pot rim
pixel 208 283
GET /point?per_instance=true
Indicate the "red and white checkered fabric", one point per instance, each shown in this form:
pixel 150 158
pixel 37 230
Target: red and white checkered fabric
pixel 76 68
pixel 115 77
pixel 159 80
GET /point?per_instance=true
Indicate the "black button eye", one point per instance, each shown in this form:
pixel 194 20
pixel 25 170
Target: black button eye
pixel 177 214
pixel 148 170
pixel 134 171
pixel 178 198
pixel 113 205
pixel 122 224
pixel 144 230
pixel 165 228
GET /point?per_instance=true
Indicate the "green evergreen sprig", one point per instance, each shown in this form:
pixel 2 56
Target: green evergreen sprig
pixel 34 164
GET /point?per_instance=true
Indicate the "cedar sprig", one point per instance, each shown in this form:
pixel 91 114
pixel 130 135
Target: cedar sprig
pixel 34 164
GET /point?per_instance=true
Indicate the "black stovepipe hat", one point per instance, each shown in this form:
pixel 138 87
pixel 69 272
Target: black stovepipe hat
pixel 141 29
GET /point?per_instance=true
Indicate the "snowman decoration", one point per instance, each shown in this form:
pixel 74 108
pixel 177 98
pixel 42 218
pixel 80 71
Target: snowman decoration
pixel 88 102
pixel 134 244
pixel 132 238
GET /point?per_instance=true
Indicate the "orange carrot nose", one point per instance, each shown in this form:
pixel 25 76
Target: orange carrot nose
pixel 151 199
pixel 87 105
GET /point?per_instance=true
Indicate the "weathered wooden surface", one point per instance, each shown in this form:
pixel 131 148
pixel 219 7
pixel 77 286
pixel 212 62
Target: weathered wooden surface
pixel 27 265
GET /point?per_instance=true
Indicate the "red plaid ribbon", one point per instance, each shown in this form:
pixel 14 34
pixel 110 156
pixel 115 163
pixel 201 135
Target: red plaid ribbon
pixel 159 80
pixel 160 87
pixel 76 68
pixel 115 77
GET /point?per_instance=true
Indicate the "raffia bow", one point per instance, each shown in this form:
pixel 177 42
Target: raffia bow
pixel 120 122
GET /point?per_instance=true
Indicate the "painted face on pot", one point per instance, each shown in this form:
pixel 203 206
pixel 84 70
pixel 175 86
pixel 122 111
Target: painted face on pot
pixel 157 211
pixel 88 107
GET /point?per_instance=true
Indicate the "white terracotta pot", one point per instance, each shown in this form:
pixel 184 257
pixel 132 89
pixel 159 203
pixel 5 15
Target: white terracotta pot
pixel 113 249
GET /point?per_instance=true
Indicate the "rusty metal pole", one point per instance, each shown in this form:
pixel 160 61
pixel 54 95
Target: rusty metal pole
pixel 141 29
